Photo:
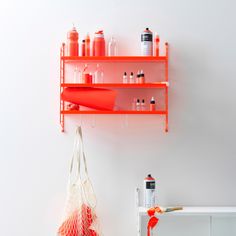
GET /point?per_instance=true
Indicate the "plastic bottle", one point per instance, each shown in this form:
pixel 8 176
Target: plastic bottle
pixel 83 48
pixel 75 79
pixel 112 48
pixel 98 75
pixel 125 79
pixel 143 105
pixel 149 191
pixel 147 43
pixel 152 104
pixel 72 42
pixel 157 41
pixel 131 78
pixel 87 45
pixel 138 105
pixel 99 44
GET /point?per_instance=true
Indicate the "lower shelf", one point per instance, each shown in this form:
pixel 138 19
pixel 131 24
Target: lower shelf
pixel 116 112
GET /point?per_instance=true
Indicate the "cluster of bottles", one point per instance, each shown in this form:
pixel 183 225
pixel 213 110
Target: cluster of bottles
pixel 98 45
pixel 87 76
pixel 148 48
pixel 140 78
pixel 140 105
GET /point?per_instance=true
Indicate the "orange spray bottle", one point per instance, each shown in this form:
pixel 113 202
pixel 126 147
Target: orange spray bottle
pixel 157 41
pixel 72 42
pixel 99 44
pixel 87 45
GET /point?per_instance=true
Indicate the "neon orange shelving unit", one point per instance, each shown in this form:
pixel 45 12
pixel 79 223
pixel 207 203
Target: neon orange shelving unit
pixel 114 59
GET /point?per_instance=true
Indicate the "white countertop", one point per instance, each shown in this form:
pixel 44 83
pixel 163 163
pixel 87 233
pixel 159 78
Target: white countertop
pixel 192 211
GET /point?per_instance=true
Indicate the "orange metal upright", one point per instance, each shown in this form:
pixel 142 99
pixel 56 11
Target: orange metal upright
pixel 166 88
pixel 159 85
pixel 62 81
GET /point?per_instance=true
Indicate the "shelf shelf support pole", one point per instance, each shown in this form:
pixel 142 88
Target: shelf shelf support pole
pixel 62 81
pixel 166 89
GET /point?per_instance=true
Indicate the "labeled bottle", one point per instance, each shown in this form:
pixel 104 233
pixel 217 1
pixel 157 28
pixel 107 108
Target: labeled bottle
pixel 98 75
pixel 125 79
pixel 87 45
pixel 143 105
pixel 99 44
pixel 112 48
pixel 138 105
pixel 147 43
pixel 131 78
pixel 83 48
pixel 72 42
pixel 157 41
pixel 141 77
pixel 152 104
pixel 149 191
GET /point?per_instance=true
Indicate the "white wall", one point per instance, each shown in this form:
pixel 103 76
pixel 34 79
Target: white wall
pixel 194 163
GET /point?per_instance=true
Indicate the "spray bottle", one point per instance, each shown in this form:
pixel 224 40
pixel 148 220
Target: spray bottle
pixel 149 191
pixel 147 43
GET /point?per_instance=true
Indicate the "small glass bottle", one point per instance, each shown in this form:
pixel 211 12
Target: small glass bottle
pixel 131 78
pixel 125 79
pixel 112 48
pixel 152 104
pixel 143 105
pixel 76 76
pixel 134 104
pixel 98 75
pixel 83 48
pixel 138 105
pixel 137 77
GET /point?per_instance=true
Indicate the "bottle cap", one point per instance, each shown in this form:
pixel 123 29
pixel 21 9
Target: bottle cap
pixel 83 41
pixel 138 101
pixel 125 73
pixel 132 73
pixel 152 100
pixel 143 101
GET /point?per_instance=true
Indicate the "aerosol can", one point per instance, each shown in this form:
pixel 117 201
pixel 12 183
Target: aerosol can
pixel 149 191
pixel 147 43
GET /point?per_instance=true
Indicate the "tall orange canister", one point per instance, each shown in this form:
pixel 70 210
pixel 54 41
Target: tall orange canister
pixel 99 44
pixel 72 42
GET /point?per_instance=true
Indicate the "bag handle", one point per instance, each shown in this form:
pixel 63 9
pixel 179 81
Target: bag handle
pixel 81 150
pixel 78 153
pixel 78 150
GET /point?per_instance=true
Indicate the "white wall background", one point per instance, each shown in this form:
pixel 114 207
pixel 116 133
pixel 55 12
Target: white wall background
pixel 194 163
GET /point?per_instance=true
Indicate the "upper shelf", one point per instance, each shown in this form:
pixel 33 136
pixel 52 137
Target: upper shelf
pixel 116 58
pixel 163 84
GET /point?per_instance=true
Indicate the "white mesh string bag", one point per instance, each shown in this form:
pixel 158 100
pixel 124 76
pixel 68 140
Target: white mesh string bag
pixel 80 217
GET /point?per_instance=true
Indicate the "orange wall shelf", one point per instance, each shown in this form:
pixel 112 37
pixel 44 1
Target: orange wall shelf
pixel 114 59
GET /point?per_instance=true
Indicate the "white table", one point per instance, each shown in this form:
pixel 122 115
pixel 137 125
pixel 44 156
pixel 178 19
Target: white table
pixel 192 211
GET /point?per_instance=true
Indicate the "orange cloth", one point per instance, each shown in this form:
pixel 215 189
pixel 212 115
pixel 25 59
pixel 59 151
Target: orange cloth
pixel 78 224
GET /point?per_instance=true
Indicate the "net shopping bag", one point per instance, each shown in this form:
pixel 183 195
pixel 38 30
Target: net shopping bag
pixel 80 217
